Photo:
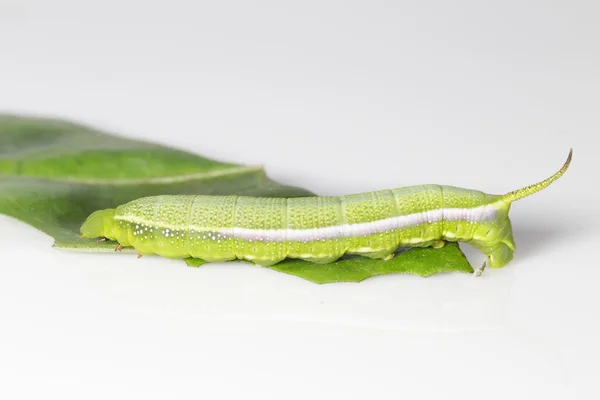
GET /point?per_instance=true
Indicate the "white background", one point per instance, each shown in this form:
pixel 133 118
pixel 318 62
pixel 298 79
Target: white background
pixel 338 97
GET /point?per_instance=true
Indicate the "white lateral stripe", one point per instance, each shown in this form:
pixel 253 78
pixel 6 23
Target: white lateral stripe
pixel 477 214
pixel 483 213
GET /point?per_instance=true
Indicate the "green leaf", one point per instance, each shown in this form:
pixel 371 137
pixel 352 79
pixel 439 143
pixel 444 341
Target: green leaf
pixel 54 173
pixel 194 262
pixel 419 261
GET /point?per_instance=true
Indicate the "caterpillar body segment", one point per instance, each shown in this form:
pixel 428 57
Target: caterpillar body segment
pixel 316 229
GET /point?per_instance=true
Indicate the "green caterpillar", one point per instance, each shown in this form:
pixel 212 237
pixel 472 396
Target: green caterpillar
pixel 316 229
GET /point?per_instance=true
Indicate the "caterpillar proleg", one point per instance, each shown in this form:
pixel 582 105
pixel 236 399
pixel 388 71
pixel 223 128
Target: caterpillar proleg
pixel 317 229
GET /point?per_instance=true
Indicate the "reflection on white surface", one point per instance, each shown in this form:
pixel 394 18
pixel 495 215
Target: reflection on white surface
pixel 110 321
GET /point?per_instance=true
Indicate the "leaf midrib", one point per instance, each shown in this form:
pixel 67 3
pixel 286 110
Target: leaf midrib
pixel 145 181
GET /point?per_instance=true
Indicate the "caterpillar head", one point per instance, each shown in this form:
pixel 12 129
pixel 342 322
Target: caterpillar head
pixel 99 224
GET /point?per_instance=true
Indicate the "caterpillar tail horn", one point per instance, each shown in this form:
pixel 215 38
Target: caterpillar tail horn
pixel 531 189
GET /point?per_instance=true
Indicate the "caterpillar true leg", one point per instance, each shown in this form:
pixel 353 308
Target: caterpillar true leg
pixel 389 257
pixel 102 239
pixel 479 271
pixel 119 247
